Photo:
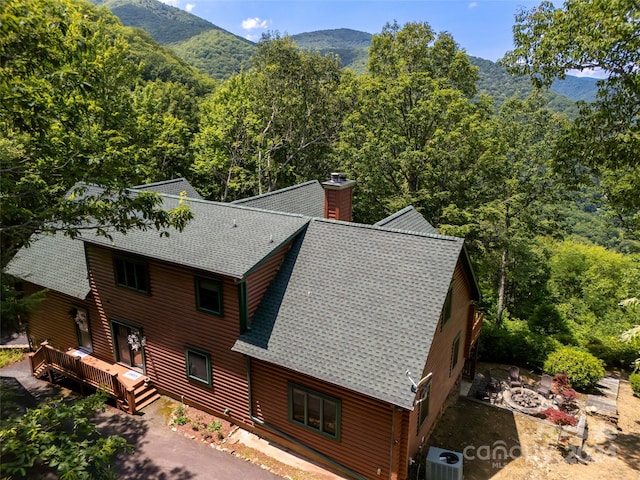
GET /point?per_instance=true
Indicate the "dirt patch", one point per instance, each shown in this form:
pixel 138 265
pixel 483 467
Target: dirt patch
pixel 501 444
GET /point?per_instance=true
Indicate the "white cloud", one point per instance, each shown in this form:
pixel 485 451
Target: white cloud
pixel 173 3
pixel 589 72
pixel 254 24
pixel 189 7
pixel 472 5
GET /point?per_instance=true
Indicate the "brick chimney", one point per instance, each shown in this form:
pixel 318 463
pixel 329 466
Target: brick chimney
pixel 338 196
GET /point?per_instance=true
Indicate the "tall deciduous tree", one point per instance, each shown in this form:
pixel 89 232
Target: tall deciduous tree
pixel 273 125
pixel 415 132
pixel 515 191
pixel 592 34
pixel 66 117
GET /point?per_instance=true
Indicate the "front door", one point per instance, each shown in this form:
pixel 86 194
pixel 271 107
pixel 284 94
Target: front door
pixel 129 345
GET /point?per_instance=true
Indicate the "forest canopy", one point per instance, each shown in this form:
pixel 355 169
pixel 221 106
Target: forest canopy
pixel 548 204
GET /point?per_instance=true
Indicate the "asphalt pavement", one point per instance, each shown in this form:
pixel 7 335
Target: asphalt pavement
pixel 160 454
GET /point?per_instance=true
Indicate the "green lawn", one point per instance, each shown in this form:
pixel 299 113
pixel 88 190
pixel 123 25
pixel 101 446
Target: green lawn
pixel 10 355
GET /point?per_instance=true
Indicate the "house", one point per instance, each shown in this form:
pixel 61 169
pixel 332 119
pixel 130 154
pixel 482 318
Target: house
pixel 339 340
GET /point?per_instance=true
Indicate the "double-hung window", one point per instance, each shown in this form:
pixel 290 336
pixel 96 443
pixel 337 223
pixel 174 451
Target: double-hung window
pixel 455 352
pixel 209 295
pixel 198 365
pixel 132 274
pixel 315 411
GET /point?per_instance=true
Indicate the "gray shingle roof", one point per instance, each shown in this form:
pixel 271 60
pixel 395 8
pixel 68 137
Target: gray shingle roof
pixel 221 238
pixel 171 187
pixel 407 219
pixel 355 306
pixel 304 199
pixel 55 262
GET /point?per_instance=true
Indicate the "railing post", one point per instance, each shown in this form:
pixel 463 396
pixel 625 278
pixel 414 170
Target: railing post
pixel 79 373
pixel 132 400
pixel 47 359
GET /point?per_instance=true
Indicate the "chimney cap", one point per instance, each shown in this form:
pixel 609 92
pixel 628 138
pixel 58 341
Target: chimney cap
pixel 338 181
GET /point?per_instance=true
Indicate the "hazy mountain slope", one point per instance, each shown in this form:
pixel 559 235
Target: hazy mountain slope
pixel 351 46
pixel 577 88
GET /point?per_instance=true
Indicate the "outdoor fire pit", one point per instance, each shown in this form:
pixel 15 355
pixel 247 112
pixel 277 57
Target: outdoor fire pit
pixel 525 400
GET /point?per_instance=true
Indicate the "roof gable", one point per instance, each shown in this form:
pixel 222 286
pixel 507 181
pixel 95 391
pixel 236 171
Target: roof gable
pixel 407 219
pixel 44 260
pixel 356 306
pixel 171 187
pixel 304 199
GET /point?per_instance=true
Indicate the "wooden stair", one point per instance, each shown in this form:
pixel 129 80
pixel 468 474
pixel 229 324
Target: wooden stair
pixel 145 395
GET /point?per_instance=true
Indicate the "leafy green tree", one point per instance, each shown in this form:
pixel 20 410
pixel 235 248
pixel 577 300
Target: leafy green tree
pixel 225 166
pixel 591 34
pixel 66 116
pixel 414 133
pixel 515 190
pixel 272 126
pixel 61 438
pixel 166 120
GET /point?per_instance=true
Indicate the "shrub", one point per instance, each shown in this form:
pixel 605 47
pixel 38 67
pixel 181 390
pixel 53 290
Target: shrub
pixel 515 344
pixel 583 369
pixel 558 417
pixel 547 320
pixel 215 426
pixel 634 380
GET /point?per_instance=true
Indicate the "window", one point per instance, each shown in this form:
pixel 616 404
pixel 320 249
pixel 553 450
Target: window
pixel 209 295
pixel 315 411
pixel 132 274
pixel 198 365
pixel 446 309
pixel 81 319
pixel 455 352
pixel 424 395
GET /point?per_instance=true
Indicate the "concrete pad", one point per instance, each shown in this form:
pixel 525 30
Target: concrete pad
pixel 281 454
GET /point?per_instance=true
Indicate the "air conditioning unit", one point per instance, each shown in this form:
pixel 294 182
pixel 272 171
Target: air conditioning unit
pixel 443 465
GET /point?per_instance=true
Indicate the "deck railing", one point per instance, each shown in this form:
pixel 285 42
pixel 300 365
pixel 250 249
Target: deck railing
pixel 73 367
pixel 474 329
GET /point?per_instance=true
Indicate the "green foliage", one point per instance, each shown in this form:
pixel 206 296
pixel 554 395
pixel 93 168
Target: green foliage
pixel 67 116
pixel 549 42
pixel 634 381
pixel 583 369
pixel 351 46
pixel 216 53
pixel 59 438
pixel 513 343
pixel 272 126
pixel 9 356
pixel 547 320
pixel 167 24
pixel 214 426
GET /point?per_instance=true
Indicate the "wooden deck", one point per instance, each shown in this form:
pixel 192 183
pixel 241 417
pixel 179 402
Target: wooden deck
pixel 131 390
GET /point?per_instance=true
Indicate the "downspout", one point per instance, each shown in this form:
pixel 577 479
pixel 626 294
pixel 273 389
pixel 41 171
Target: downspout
pixel 288 437
pixel 393 434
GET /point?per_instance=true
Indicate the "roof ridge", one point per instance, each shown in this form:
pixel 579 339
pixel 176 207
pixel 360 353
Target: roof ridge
pixel 395 215
pixel 275 192
pixel 381 228
pixel 231 205
pixel 162 182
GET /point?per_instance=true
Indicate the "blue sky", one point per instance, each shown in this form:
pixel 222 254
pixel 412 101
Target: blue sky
pixel 481 27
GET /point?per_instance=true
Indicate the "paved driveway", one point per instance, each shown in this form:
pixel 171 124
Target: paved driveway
pixel 160 454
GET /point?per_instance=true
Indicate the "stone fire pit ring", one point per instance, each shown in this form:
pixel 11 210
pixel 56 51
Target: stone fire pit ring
pixel 525 400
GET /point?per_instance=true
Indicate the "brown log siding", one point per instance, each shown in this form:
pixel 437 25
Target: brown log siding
pixel 366 424
pixel 170 322
pixel 439 360
pixel 51 321
pixel 259 280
